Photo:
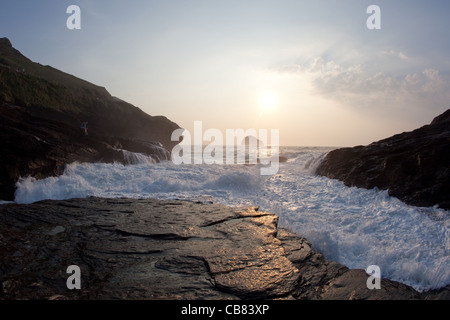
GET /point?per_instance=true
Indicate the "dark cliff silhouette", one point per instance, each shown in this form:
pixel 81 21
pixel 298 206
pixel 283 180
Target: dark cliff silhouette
pixel 41 111
pixel 413 166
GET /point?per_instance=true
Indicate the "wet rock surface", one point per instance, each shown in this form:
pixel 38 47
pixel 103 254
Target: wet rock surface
pixel 152 249
pixel 414 166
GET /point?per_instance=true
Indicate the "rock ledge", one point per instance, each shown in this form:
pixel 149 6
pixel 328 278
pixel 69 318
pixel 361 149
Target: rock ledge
pixel 171 250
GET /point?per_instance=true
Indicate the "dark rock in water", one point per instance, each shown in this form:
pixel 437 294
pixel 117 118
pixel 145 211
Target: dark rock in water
pixel 413 166
pixel 152 249
pixel 41 111
pixel 252 141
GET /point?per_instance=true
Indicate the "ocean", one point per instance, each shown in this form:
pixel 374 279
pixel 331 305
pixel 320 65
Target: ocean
pixel 353 226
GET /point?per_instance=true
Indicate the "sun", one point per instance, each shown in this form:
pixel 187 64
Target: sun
pixel 268 101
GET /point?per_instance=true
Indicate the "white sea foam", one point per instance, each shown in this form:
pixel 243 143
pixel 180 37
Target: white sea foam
pixel 356 227
pixel 136 158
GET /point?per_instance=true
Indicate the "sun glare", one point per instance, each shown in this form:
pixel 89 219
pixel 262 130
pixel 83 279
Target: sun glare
pixel 268 101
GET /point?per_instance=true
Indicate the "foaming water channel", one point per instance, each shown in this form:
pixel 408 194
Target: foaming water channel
pixel 355 227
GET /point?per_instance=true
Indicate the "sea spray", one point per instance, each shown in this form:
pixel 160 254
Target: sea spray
pixel 136 158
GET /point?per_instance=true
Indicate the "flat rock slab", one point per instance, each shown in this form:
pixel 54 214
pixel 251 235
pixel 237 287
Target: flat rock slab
pixel 153 249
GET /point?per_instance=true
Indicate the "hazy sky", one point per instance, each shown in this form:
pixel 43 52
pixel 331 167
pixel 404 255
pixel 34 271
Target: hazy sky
pixel 310 68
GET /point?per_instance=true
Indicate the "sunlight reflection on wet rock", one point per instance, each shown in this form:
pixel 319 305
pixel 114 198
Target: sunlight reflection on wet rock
pixel 155 249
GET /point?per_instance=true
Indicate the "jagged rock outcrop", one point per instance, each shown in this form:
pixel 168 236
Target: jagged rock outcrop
pixel 413 166
pixel 41 110
pixel 153 249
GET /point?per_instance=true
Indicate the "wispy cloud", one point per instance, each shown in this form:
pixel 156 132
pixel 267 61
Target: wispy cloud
pixel 394 53
pixel 356 86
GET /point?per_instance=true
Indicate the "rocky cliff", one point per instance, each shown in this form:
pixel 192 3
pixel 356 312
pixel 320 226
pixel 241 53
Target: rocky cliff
pixel 413 166
pixel 41 111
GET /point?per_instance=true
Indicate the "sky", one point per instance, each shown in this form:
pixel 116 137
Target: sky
pixel 310 68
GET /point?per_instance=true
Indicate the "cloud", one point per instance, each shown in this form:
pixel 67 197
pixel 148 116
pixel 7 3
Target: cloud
pixel 356 86
pixel 399 54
